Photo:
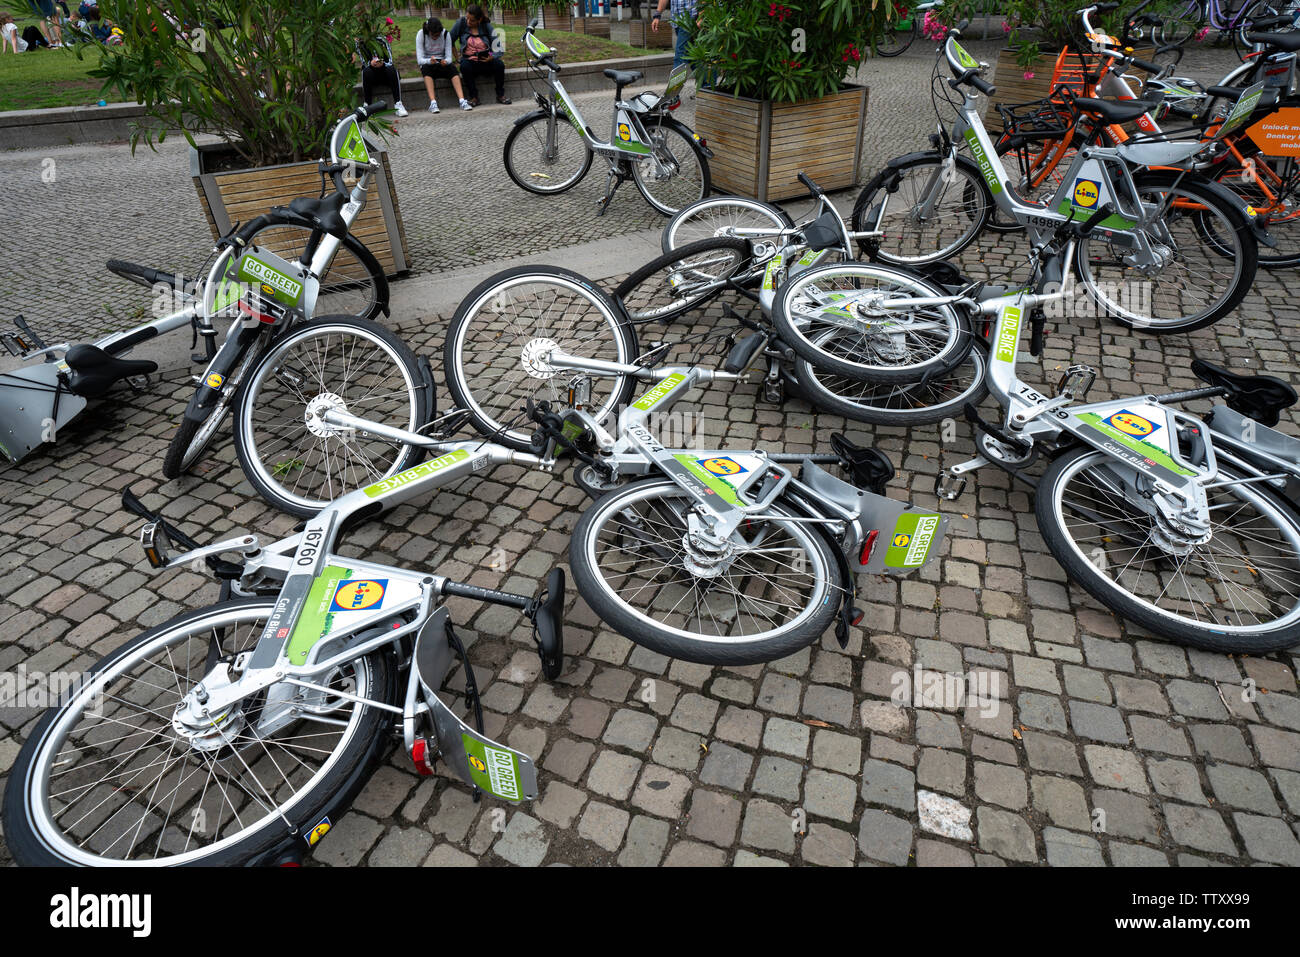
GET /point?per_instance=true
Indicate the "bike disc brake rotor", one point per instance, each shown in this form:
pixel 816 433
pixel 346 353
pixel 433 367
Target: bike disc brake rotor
pixel 535 358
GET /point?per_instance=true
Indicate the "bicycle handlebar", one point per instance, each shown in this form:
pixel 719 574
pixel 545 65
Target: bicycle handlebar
pixel 367 110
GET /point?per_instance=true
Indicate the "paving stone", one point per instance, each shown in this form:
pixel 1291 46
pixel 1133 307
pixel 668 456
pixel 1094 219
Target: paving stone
pixel 1269 675
pixel 830 795
pixel 661 791
pixel 787 737
pixel 740 726
pixel 348 841
pixel 1048 753
pixel 1112 767
pixel 1194 699
pixel 767 826
pixel 1002 752
pixel 568 758
pixel 1153 734
pixel 937 730
pixel 560 804
pixel 827 846
pixel 675 748
pixel 713 817
pixel 837 752
pixel 1068 849
pixel 587 718
pixel 1268 839
pixel 832 705
pixel 695 713
pixel 1277 748
pixel 1062 800
pixel 1001 785
pixel 750 859
pixel 938 854
pixel 1162 658
pixel 631 729
pixel 1288 785
pixel 646 839
pixel 1139 694
pixel 1086 684
pixel 401 847
pixel 1005 835
pixel 1176 779
pixel 1108 655
pixel 444 855
pixel 691 854
pixel 778 777
pixel 1242 788
pixel 613 775
pixel 1038 673
pixel 1098 722
pixel 884 837
pixel 942 770
pixel 1125 815
pixel 883 716
pixel 1040 711
pixel 888 784
pixel 943 816
pixel 727 767
pixel 779 693
pixel 604 825
pixel 1280 709
pixel 1199 828
pixel 1135 855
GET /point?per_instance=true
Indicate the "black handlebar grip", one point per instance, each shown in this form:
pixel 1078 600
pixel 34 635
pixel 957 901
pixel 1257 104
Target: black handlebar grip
pixel 1106 7
pixel 1152 68
pixel 462 590
pixel 368 110
pixel 985 87
pixel 812 187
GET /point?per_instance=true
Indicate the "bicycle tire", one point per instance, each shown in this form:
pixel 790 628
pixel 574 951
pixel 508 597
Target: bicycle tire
pixel 31 842
pixel 709 207
pixel 529 181
pixel 668 128
pixel 356 287
pixel 696 274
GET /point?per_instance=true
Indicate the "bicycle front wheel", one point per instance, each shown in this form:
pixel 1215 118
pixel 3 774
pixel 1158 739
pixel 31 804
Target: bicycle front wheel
pixel 772 589
pixel 926 216
pixel 719 217
pixel 296 460
pixel 1236 592
pixel 873 344
pixel 546 155
pixel 1205 255
pixel 677 172
pixel 499 341
pixel 677 282
pixel 113 776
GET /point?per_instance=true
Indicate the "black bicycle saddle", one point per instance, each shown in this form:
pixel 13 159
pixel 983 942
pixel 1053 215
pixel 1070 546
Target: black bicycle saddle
pixel 94 371
pixel 1258 397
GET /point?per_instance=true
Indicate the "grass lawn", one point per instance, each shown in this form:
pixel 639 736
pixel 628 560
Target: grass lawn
pixel 47 78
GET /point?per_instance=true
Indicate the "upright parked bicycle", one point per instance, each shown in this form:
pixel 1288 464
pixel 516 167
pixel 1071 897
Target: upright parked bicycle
pixel 551 149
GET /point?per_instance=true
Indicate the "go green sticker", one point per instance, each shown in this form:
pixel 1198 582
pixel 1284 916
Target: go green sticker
pixel 913 535
pixel 354 145
pixel 284 288
pixel 495 770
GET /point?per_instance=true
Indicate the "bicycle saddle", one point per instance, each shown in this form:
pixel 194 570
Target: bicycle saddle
pixel 1114 111
pixel 1288 42
pixel 94 371
pixel 868 468
pixel 1226 92
pixel 1258 397
pixel 324 213
pixel 622 78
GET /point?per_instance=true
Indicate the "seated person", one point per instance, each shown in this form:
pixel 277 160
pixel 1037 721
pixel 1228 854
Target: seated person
pixel 433 54
pixel 377 67
pixel 9 34
pixel 480 53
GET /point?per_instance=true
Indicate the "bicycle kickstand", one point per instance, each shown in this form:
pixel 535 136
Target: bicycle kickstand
pixel 613 180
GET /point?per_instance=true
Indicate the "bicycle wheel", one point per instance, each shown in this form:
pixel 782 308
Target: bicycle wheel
pixel 296 461
pixel 772 589
pixel 541 168
pixel 1180 20
pixel 938 397
pixel 1208 260
pixel 112 775
pixel 353 285
pixel 1044 167
pixel 1271 184
pixel 1237 592
pixel 898 35
pixel 677 174
pixel 671 285
pixel 718 217
pixel 874 344
pixel 193 438
pixel 960 211
pixel 1244 23
pixel 497 343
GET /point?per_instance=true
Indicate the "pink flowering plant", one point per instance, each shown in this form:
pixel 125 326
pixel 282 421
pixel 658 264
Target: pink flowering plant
pixel 1033 27
pixel 784 51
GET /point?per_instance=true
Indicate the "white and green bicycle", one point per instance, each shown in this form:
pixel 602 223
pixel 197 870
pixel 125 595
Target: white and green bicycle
pixel 551 149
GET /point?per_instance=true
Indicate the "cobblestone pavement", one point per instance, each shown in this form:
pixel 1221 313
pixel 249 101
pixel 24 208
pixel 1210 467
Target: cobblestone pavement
pixel 1187 766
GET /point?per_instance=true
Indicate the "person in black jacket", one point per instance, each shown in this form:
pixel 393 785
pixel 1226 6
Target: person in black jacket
pixel 481 50
pixel 377 67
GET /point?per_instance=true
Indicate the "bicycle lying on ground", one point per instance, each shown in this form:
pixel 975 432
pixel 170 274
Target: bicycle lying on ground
pixel 1194 242
pixel 291 262
pixel 551 149
pixel 240 733
pixel 714 555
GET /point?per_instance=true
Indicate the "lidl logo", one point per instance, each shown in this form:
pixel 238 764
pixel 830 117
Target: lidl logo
pixel 624 132
pixel 319 831
pixel 358 595
pixel 902 541
pixel 1086 192
pixel 477 764
pixel 1131 424
pixel 214 380
pixel 723 466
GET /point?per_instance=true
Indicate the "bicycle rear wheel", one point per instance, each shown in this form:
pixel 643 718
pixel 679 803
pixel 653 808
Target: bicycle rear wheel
pixel 671 285
pixel 775 591
pixel 718 217
pixel 677 174
pixel 112 776
pixel 925 215
pixel 298 462
pixel 499 340
pixel 898 35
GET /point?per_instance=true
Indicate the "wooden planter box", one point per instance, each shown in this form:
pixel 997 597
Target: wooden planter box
pixel 638 33
pixel 760 147
pixel 1013 88
pixel 591 26
pixel 512 18
pixel 234 196
pixel 555 16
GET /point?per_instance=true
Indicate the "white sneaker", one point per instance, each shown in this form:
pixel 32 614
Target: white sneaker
pixel 433 107
pixel 401 110
pixel 465 105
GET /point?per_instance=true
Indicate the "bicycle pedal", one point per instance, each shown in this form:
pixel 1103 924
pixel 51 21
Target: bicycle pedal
pixel 1076 382
pixel 949 487
pixel 774 391
pixel 15 345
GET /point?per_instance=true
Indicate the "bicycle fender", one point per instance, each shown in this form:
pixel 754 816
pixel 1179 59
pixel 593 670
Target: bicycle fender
pixel 208 391
pixel 889 176
pixel 529 117
pixel 1242 214
pixel 689 133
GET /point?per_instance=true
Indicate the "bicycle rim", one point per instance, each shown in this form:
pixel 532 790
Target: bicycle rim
pixel 718 218
pixel 147 793
pixel 547 169
pixel 955 220
pixel 675 175
pixel 673 285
